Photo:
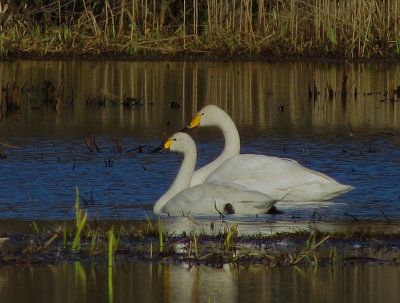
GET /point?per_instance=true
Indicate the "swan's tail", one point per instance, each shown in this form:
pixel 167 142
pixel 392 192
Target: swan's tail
pixel 314 192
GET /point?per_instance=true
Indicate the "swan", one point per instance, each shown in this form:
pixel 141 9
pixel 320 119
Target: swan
pixel 207 198
pixel 280 178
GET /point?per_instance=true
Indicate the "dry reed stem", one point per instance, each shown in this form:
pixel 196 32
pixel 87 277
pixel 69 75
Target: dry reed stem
pixel 354 28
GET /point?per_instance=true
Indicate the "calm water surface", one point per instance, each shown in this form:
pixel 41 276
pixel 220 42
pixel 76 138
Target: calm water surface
pixel 148 282
pixel 354 139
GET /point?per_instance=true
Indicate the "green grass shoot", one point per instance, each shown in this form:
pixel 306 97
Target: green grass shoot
pixel 111 246
pixel 111 250
pixel 35 227
pixel 228 242
pixel 81 217
pixel 77 238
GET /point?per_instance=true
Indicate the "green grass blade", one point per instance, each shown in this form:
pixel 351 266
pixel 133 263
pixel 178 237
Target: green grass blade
pixel 77 238
pixel 111 245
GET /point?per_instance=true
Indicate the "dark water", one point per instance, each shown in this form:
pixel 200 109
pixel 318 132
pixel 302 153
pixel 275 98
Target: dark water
pixel 148 282
pixel 355 139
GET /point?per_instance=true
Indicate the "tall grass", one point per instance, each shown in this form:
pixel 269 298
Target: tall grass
pixel 351 29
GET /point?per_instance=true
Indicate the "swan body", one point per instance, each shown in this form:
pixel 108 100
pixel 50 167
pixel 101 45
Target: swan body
pixel 214 198
pixel 208 198
pixel 282 179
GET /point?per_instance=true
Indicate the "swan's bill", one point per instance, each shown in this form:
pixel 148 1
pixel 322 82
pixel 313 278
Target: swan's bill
pixel 163 147
pixel 167 144
pixel 196 121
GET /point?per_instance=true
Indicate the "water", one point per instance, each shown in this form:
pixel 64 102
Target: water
pixel 355 140
pixel 148 282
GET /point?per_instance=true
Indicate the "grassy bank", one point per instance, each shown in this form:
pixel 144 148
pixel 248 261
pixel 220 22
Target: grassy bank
pixel 349 29
pixel 53 242
pixel 103 241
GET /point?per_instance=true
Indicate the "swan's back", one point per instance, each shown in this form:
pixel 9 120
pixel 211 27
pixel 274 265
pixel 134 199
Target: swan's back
pixel 281 178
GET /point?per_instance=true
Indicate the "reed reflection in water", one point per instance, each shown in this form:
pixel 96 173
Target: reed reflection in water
pixel 258 95
pixel 289 109
pixel 149 282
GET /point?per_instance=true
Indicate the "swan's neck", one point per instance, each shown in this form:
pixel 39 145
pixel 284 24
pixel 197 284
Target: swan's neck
pixel 232 139
pixel 182 180
pixel 232 148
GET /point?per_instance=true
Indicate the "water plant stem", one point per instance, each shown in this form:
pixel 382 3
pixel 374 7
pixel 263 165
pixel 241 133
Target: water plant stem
pixel 80 221
pixel 111 246
pixel 312 249
pixel 160 235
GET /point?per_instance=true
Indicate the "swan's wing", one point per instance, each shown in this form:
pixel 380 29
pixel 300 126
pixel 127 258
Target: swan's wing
pixel 211 198
pixel 278 177
pixel 277 172
pixel 242 199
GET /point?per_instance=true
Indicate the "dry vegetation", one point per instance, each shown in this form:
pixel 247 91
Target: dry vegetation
pixel 351 29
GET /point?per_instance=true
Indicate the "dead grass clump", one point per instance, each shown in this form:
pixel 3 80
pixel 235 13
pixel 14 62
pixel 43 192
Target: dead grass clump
pixel 351 29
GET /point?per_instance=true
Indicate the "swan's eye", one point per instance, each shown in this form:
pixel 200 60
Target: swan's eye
pixel 175 139
pixel 202 114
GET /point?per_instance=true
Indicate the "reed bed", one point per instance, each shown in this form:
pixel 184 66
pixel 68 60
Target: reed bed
pixel 348 29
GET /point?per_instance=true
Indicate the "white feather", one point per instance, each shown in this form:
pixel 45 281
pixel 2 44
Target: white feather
pixel 208 198
pixel 279 178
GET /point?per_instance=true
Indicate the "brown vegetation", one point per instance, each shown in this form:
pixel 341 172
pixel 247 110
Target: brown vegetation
pixel 350 29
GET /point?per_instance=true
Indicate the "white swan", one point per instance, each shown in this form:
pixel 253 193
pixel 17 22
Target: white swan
pixel 282 179
pixel 208 198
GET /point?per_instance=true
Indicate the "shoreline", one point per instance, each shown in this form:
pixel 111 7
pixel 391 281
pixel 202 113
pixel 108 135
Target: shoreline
pixel 351 30
pixel 194 58
pixel 147 241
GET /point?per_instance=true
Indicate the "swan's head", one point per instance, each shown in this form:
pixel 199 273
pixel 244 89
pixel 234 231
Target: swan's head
pixel 209 115
pixel 178 142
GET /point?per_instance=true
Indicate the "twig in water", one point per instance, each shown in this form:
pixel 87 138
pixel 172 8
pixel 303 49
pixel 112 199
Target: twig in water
pixel 89 145
pixel 96 145
pixel 311 249
pixel 351 216
pixel 221 215
pixel 118 146
pixel 7 145
pixel 384 215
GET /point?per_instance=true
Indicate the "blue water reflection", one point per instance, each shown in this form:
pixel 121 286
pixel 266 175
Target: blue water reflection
pixel 39 178
pixel 356 141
